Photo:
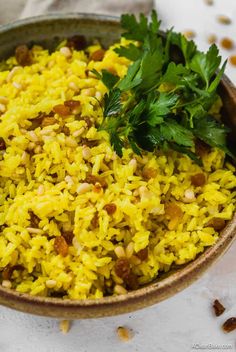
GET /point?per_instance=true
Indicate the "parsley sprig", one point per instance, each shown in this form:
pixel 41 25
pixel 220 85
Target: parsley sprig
pixel 165 98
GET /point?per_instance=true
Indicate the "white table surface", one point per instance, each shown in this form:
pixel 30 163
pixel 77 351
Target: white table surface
pixel 183 323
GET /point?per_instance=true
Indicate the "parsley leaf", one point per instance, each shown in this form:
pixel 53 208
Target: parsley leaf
pixel 164 100
pixel 131 52
pixel 188 47
pixel 148 138
pixel 206 64
pixel 112 102
pixel 117 143
pixel 187 151
pixel 174 132
pixel 107 78
pixel 160 107
pixel 211 132
pixel 132 78
pixel 139 30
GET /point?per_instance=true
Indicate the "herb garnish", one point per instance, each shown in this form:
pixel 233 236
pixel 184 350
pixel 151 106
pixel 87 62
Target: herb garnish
pixel 165 98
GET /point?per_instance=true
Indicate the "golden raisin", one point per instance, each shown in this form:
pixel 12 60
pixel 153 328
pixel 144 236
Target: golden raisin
pixel 77 42
pixel 23 55
pixel 149 172
pixel 143 254
pixel 68 236
pixel 97 187
pixel 232 60
pixel 2 144
pixel 72 104
pixel 227 43
pixel 198 179
pixel 96 179
pixel 60 246
pixel 124 333
pixel 173 210
pixel 8 271
pixel 48 121
pixel 34 219
pixel 66 130
pixel 61 110
pixel 90 143
pixel 95 220
pixel 218 308
pixel 217 223
pixel 229 325
pixel 110 208
pixel 88 121
pixel 131 281
pixel 122 267
pixel 97 55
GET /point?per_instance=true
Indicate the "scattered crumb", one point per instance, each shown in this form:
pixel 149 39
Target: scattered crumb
pixel 209 2
pixel 125 334
pixel 212 38
pixel 189 34
pixel 227 43
pixel 232 60
pixel 6 283
pixel 229 325
pixel 64 326
pixel 224 19
pixel 218 308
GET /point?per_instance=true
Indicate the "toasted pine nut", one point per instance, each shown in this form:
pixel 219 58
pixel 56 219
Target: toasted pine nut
pixel 32 136
pixel 129 250
pixel 98 95
pixel 83 188
pixel 133 164
pixel 40 190
pixel 13 72
pixel 73 86
pixel 223 19
pixel 6 283
pixel 90 92
pixel 86 152
pixel 70 142
pixel 51 283
pixel 189 196
pixel 77 245
pixel 119 251
pixel 79 132
pixel 66 52
pixel 120 290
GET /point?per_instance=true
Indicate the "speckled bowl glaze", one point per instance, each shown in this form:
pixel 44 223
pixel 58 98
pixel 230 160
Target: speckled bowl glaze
pixel 48 30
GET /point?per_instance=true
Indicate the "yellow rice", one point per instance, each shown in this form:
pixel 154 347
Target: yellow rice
pixel 139 220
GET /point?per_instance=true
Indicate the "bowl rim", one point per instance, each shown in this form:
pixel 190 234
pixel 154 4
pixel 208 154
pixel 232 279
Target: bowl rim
pixel 59 16
pixel 150 294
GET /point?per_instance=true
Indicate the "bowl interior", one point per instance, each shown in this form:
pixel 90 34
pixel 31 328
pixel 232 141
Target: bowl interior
pixel 49 31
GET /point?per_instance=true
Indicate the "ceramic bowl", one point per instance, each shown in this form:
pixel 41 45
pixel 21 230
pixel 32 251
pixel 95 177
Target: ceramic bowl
pixel 48 30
